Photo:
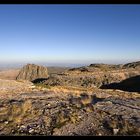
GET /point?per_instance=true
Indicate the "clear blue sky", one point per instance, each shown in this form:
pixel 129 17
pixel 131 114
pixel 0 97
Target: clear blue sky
pixel 69 33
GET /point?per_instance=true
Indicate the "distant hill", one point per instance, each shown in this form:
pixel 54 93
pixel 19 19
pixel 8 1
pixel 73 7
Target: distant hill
pixel 105 66
pixel 102 67
pixel 132 65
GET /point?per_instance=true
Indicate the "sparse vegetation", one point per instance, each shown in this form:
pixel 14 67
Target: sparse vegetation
pixel 42 85
pixel 71 104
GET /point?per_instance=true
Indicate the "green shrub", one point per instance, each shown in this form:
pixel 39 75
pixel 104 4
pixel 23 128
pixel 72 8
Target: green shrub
pixel 42 85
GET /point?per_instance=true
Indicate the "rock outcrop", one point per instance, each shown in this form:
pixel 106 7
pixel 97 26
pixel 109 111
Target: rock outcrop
pixel 94 75
pixel 32 72
pixel 132 65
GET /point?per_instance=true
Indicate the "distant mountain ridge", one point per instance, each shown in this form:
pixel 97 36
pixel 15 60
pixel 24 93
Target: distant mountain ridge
pixel 103 66
pixel 132 65
pixel 127 65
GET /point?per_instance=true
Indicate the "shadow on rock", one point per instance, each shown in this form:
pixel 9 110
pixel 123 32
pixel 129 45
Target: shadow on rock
pixel 95 99
pixel 39 80
pixel 131 85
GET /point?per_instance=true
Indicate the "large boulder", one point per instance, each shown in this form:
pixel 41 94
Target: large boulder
pixel 32 72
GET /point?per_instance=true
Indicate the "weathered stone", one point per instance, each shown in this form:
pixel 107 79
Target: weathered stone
pixel 6 122
pixel 31 130
pixel 32 72
pixel 115 131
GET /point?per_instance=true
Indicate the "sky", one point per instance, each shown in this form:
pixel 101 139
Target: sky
pixel 69 34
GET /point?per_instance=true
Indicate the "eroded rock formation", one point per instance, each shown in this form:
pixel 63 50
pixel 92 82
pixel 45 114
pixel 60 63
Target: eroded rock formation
pixel 32 72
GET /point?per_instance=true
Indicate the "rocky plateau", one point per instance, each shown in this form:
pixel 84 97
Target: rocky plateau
pixel 95 100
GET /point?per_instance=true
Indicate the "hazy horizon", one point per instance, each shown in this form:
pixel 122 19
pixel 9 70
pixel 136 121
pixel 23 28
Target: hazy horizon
pixel 69 35
pixel 66 64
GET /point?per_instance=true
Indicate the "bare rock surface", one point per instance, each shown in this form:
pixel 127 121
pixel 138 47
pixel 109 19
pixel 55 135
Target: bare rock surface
pixel 57 112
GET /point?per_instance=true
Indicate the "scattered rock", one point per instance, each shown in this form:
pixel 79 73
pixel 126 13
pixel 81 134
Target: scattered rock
pixel 115 131
pixel 6 122
pixel 31 130
pixel 22 126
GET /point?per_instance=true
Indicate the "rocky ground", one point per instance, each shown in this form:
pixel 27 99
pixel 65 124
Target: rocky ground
pixel 71 102
pixel 67 111
pixel 90 78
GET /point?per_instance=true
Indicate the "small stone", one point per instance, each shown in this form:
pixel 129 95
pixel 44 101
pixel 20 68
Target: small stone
pixel 36 131
pixel 23 126
pixel 32 86
pixel 35 125
pixel 12 130
pixel 115 131
pixel 6 122
pixel 79 117
pixel 109 102
pixel 31 130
